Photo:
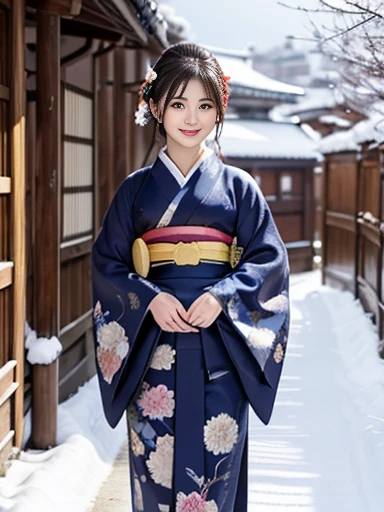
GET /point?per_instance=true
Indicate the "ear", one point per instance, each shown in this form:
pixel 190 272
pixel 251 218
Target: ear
pixel 154 110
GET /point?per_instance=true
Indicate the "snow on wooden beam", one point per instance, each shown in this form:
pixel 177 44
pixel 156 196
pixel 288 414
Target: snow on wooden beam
pixel 6 271
pixel 5 185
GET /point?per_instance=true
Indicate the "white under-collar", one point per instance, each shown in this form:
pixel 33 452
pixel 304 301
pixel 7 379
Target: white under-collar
pixel 175 171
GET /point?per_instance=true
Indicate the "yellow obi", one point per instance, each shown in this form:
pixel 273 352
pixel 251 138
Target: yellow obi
pixel 181 253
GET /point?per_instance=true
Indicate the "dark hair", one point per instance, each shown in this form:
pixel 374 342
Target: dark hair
pixel 179 64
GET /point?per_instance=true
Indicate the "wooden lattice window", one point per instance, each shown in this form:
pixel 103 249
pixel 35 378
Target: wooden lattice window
pixel 78 166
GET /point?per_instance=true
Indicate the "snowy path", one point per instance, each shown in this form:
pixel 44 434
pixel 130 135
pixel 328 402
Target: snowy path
pixel 322 452
pixel 324 448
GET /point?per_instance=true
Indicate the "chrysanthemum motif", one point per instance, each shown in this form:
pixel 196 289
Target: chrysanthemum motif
pixel 134 301
pixel 220 434
pixel 109 363
pixel 111 336
pixel 138 495
pixel 112 349
pixel 278 304
pixel 157 402
pixel 137 445
pixel 194 503
pixel 163 357
pixel 160 462
pixel 211 506
pixel 278 354
pixel 261 338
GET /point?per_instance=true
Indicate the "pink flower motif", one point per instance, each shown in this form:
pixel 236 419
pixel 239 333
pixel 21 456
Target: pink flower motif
pixel 157 402
pixel 109 363
pixel 191 503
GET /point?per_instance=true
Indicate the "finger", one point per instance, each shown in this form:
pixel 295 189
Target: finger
pixel 181 324
pixel 193 307
pixel 198 321
pixel 182 312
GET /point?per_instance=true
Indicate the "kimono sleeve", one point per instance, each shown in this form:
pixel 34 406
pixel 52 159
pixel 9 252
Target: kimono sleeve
pixel 255 295
pixel 120 299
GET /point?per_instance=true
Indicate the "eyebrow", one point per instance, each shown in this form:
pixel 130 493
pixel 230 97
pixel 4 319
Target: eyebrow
pixel 186 99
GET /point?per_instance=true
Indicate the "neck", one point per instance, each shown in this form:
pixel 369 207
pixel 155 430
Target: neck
pixel 183 158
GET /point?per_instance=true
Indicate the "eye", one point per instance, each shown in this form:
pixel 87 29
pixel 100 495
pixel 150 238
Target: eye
pixel 177 104
pixel 206 106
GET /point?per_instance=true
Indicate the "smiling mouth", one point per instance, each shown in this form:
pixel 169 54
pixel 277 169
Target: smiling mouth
pixel 190 133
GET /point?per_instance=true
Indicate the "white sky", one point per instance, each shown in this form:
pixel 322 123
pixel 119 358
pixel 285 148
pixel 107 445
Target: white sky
pixel 235 23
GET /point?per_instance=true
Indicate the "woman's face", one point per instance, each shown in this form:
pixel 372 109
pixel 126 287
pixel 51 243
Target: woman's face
pixel 189 119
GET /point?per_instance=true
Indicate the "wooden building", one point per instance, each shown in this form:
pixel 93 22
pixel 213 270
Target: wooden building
pixel 280 156
pixel 69 75
pixel 353 220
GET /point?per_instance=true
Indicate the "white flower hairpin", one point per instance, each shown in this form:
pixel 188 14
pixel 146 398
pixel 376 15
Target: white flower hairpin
pixel 143 113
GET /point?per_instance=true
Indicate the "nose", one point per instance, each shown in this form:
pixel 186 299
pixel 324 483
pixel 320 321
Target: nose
pixel 191 117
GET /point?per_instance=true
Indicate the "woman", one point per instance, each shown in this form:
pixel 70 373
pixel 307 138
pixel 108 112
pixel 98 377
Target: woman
pixel 191 301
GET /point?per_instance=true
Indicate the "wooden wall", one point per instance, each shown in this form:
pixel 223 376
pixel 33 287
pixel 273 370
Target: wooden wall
pixel 289 191
pixel 100 146
pixel 352 234
pixel 12 220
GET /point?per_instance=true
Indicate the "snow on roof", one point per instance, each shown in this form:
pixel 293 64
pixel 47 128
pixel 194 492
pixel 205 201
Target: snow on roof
pixel 265 139
pixel 244 75
pixel 316 98
pixel 336 120
pixel 368 130
pixel 338 142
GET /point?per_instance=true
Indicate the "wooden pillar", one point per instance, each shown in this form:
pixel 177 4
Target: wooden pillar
pixel 47 246
pixel 18 207
pixel 119 115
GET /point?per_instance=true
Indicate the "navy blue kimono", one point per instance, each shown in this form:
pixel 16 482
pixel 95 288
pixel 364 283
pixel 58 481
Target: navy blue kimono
pixel 187 394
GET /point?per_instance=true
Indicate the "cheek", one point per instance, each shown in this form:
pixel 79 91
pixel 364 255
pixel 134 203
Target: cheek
pixel 211 117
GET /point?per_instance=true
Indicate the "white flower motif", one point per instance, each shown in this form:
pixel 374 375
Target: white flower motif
pixel 278 304
pixel 141 118
pixel 110 336
pixel 261 338
pixel 143 478
pixel 138 495
pixel 160 462
pixel 220 434
pixel 211 506
pixel 164 508
pixel 150 76
pixel 137 445
pixel 163 358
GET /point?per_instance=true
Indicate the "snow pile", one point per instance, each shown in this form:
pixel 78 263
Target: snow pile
pixel 357 345
pixel 368 130
pixel 324 448
pixel 41 350
pixel 67 477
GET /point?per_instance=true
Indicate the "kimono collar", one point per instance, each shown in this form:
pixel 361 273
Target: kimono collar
pixel 175 171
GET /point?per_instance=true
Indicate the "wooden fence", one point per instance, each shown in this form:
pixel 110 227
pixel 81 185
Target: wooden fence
pixel 353 257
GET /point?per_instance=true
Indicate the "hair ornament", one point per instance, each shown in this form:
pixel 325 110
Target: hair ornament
pixel 226 90
pixel 143 113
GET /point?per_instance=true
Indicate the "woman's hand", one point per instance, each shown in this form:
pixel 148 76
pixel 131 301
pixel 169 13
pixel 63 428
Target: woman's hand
pixel 204 311
pixel 168 312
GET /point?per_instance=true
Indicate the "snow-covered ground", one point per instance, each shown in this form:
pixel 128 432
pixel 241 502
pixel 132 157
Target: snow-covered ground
pixel 322 452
